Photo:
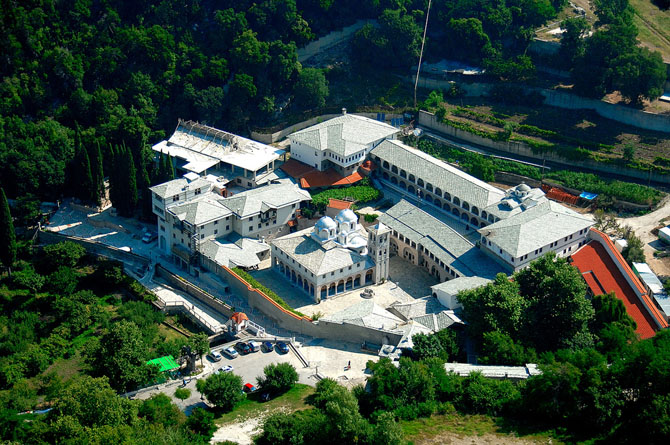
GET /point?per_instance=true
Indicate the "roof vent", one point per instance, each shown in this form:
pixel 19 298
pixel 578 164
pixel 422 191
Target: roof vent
pixel 344 111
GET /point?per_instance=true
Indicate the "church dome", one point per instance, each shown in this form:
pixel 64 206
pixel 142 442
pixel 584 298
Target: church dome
pixel 347 216
pixel 325 223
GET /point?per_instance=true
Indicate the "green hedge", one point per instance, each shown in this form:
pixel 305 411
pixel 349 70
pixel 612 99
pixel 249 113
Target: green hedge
pixel 267 291
pixel 359 193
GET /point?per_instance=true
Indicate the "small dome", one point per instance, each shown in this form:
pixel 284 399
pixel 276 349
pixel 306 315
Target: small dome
pixel 523 188
pixel 326 223
pixel 346 216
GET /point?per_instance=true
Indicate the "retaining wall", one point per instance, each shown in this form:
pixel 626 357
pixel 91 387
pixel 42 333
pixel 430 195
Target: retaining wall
pixel 429 120
pixel 94 248
pixel 303 325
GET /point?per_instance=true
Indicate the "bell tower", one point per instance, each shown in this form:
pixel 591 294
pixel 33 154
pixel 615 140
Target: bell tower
pixel 378 248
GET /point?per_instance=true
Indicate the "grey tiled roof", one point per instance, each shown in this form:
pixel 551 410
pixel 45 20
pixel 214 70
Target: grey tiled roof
pixel 416 308
pixel 439 174
pixel 453 287
pixel 242 252
pixel 319 258
pixel 514 203
pixel 344 135
pixel 536 227
pixel 439 239
pixel 176 186
pixel 275 196
pixel 368 314
pixel 199 211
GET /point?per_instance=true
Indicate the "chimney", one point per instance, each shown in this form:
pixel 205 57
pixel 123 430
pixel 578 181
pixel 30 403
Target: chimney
pixel 344 111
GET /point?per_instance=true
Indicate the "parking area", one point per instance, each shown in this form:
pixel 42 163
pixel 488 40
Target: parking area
pixel 250 366
pixel 102 228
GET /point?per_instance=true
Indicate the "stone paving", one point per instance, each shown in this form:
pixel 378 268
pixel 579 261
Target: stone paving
pixel 406 282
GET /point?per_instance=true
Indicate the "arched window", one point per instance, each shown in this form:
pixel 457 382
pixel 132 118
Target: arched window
pixel 465 205
pixel 386 165
pixel 429 187
pixel 438 191
pixel 394 169
pixel 412 178
pixel 447 196
pixel 403 174
pixel 457 201
pixel 474 210
pixel 419 182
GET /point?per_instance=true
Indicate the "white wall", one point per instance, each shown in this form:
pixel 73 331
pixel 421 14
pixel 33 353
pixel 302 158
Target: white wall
pixel 306 154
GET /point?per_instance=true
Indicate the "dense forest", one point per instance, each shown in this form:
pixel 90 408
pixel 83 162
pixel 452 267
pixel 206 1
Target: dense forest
pixel 113 77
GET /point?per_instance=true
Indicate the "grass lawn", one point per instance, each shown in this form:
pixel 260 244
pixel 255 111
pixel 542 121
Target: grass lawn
pixel 444 428
pixel 653 25
pixel 293 400
pixel 169 333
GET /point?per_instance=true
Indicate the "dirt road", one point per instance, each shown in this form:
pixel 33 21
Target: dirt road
pixel 642 225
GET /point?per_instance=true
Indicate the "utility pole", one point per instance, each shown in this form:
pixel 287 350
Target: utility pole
pixel 423 42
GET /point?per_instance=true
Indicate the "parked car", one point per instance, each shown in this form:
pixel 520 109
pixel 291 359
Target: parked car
pixel 255 346
pixel 267 346
pixel 282 347
pixel 243 347
pixel 248 387
pixel 149 237
pixel 230 352
pixel 215 355
pixel 226 368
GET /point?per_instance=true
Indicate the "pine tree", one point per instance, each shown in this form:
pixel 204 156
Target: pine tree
pixel 7 235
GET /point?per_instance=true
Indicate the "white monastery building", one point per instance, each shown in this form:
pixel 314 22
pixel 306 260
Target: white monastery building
pixel 192 211
pixel 204 150
pixel 342 142
pixel 334 256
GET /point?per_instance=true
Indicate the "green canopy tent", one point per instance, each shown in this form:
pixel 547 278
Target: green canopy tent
pixel 165 364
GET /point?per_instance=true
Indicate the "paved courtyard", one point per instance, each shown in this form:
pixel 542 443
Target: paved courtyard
pixel 406 282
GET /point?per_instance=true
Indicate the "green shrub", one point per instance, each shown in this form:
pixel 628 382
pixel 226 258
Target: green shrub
pixel 359 193
pixel 182 393
pixel 370 217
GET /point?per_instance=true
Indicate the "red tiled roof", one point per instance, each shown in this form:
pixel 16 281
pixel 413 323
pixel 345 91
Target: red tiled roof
pixel 296 169
pixel 602 275
pixel 339 204
pixel 311 177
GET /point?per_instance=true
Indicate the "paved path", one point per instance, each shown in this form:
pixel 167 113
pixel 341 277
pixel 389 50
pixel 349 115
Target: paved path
pixel 173 297
pixel 642 225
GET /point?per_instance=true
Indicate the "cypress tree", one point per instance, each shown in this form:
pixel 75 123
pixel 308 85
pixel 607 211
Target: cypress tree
pixel 169 168
pixel 97 172
pixel 81 179
pixel 113 175
pixel 7 235
pixel 130 180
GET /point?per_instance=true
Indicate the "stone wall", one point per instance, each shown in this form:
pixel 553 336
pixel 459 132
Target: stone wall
pixel 94 248
pixel 303 325
pixel 430 121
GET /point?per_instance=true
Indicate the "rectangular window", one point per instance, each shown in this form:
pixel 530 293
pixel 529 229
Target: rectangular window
pixel 216 231
pixel 260 225
pixel 227 227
